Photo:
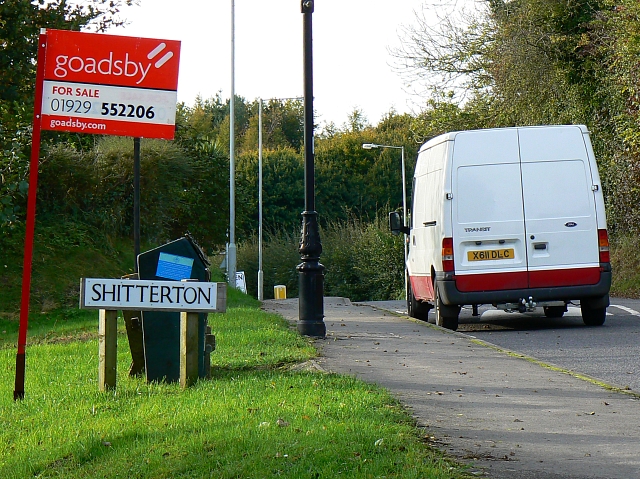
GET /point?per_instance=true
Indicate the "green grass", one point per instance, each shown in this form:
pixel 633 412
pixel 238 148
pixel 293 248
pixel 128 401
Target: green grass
pixel 63 253
pixel 256 418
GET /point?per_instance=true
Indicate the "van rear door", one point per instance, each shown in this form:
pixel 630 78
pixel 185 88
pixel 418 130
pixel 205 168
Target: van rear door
pixel 559 207
pixel 487 211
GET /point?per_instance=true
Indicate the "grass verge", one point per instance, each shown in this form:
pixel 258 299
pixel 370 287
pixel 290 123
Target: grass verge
pixel 256 418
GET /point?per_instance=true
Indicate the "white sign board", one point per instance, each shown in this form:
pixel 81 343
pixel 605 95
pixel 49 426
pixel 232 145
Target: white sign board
pixel 241 282
pixel 151 295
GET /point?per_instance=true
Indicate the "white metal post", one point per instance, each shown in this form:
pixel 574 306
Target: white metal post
pixel 231 252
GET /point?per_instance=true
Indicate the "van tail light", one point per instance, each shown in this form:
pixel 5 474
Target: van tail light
pixel 603 244
pixel 447 255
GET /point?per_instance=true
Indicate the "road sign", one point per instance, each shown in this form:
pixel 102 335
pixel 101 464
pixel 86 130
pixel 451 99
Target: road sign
pixel 152 295
pixel 110 85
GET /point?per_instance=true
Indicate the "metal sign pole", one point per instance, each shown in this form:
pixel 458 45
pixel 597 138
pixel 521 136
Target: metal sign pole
pixel 136 202
pixel 18 392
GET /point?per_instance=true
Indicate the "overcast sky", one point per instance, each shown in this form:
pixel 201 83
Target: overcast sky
pixel 352 65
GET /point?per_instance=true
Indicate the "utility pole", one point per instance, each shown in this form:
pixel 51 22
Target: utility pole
pixel 231 249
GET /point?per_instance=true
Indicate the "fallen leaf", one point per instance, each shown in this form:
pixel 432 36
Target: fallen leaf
pixel 282 423
pixel 379 442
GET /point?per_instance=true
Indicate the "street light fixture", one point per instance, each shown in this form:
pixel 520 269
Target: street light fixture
pixel 374 146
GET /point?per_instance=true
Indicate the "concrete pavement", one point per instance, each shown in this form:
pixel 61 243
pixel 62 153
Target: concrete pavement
pixel 507 416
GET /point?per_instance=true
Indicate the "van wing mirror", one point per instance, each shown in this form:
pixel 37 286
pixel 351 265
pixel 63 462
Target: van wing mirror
pixel 395 224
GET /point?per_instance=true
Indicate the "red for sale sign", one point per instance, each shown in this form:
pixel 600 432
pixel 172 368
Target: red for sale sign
pixel 110 85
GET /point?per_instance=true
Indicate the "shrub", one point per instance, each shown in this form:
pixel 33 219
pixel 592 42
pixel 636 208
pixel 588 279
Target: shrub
pixel 363 261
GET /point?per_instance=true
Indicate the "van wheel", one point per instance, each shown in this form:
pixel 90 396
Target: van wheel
pixel 593 316
pixel 446 315
pixel 554 311
pixel 415 308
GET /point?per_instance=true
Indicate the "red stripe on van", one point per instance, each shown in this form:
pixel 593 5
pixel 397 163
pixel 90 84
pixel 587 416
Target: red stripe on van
pixel 422 287
pixel 532 279
pixel 564 277
pixel 492 281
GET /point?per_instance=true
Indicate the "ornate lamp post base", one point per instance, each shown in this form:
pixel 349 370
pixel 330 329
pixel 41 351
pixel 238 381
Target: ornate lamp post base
pixel 311 279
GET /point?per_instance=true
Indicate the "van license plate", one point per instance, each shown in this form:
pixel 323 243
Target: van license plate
pixel 491 254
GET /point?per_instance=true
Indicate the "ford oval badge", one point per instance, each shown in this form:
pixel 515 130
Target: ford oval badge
pixel 570 224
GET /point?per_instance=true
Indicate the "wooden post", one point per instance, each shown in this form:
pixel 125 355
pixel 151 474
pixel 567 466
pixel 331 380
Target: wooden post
pixel 188 349
pixel 108 349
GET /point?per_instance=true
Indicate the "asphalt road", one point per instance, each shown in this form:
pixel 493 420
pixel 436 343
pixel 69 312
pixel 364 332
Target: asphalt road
pixel 609 353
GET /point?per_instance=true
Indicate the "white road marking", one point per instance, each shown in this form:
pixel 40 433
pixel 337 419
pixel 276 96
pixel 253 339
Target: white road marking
pixel 628 310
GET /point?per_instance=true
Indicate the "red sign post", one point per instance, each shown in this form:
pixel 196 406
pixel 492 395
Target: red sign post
pixel 98 84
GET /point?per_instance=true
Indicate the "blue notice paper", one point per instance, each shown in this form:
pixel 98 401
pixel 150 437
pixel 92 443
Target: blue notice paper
pixel 175 267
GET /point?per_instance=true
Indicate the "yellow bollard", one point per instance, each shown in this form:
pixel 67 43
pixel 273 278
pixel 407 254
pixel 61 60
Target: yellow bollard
pixel 280 291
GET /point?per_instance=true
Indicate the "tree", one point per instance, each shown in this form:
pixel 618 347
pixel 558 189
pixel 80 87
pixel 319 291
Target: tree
pixel 282 125
pixel 527 62
pixel 283 190
pixel 20 24
pixel 351 181
pixel 526 59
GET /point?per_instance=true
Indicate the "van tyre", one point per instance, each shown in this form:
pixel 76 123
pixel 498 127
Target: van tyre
pixel 593 316
pixel 416 309
pixel 446 315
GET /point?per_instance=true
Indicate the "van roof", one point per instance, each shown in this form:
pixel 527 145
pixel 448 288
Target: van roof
pixel 451 135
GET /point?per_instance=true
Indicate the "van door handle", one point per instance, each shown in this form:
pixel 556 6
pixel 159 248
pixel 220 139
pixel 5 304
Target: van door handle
pixel 540 246
pixel 429 223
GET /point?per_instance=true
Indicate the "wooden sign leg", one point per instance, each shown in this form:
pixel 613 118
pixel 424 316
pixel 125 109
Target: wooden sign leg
pixel 108 349
pixel 188 349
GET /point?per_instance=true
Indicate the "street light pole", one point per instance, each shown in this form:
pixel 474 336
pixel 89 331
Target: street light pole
pixel 370 146
pixel 260 271
pixel 310 271
pixel 231 250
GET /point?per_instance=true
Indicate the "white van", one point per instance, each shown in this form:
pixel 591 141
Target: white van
pixel 512 217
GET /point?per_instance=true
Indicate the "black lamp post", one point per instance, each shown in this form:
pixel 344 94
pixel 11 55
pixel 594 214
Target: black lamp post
pixel 310 271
